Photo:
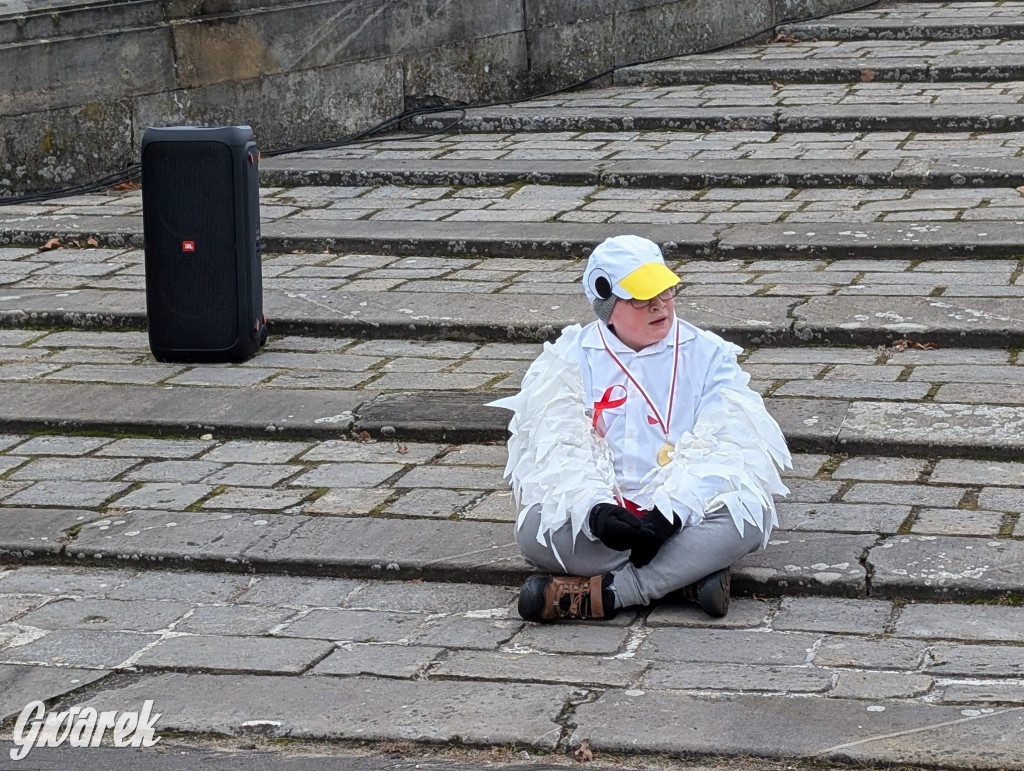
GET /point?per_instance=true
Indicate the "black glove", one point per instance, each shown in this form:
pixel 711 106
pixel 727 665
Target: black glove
pixel 662 529
pixel 617 528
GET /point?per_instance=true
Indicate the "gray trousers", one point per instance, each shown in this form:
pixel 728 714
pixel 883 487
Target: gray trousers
pixel 686 557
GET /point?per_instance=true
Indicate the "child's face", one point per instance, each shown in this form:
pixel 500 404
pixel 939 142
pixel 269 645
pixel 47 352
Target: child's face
pixel 641 327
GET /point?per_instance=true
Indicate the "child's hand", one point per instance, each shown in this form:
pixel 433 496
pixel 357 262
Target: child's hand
pixel 662 528
pixel 619 529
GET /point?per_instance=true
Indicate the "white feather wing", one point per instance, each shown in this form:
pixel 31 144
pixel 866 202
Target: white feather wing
pixel 732 457
pixel 555 459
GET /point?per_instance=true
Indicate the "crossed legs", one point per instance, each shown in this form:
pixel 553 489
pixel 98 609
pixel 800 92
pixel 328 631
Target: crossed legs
pixel 685 558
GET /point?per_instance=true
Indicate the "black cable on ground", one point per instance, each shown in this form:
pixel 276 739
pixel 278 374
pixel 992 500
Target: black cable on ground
pixel 130 173
pixel 133 171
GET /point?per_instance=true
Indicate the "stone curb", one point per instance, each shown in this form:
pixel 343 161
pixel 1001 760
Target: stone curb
pixel 910 117
pixel 157 410
pixel 870 320
pixel 519 239
pixel 697 69
pixel 810 425
pixel 617 723
pixel 508 317
pixel 971 28
pixel 821 730
pixel 349 709
pixel 873 240
pixel 296 171
pixel 870 240
pixel 818 563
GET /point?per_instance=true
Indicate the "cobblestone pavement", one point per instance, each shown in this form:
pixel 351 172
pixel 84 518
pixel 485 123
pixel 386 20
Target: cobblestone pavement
pixel 992 376
pixel 782 94
pixel 842 60
pixel 117 269
pixel 316 543
pixel 643 145
pixel 880 106
pixel 574 203
pixel 929 21
pixel 463 482
pixel 967 10
pixel 452 649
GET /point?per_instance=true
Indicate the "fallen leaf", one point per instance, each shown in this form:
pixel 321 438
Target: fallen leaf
pixel 53 243
pixel 297 251
pixel 584 754
pixel 786 39
pixel 91 241
pixel 402 448
pixel 127 186
pixel 866 76
pixel 776 85
pixel 74 242
pixel 1021 189
pixel 364 436
pixel 903 344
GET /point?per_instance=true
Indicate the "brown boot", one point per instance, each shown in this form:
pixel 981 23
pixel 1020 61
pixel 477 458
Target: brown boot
pixel 554 598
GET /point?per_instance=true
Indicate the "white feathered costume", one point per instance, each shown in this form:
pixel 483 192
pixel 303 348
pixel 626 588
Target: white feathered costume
pixel 727 449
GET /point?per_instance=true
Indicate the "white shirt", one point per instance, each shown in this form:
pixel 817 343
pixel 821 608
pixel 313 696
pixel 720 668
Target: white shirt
pixel 704 361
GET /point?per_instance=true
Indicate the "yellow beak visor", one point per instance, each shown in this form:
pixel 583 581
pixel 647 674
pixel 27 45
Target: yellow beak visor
pixel 647 281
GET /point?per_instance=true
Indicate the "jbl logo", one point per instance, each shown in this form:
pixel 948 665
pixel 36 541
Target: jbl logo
pixel 188 246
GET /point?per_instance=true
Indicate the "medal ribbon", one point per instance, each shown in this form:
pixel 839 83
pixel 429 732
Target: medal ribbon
pixel 663 423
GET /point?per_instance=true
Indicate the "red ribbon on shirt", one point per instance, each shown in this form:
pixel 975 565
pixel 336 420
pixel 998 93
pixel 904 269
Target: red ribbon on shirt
pixel 608 403
pixel 656 418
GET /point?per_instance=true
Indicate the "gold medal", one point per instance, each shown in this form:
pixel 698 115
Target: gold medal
pixel 664 455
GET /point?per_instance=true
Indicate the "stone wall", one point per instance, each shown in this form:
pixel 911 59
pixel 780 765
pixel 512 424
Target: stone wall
pixel 79 84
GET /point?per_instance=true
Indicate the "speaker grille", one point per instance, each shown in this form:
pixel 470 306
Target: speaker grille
pixel 191 265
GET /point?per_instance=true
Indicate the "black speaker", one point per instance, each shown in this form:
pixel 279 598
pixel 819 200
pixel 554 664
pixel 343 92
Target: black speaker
pixel 201 221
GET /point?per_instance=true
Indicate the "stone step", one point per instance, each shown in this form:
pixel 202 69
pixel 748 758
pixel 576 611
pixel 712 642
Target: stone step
pixel 551 221
pixel 643 158
pixel 763 166
pixel 777 305
pixel 770 301
pixel 837 680
pixel 843 61
pixel 943 114
pixel 853 526
pixel 905 399
pixel 613 721
pixel 916 21
pixel 821 563
pixel 837 421
pixel 417 415
pixel 980 105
